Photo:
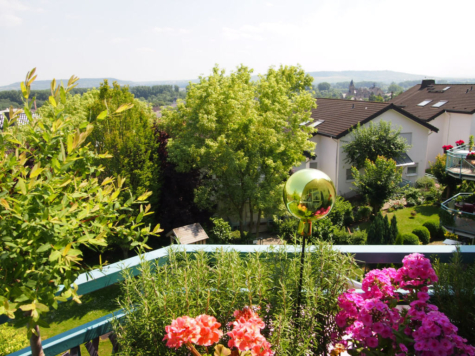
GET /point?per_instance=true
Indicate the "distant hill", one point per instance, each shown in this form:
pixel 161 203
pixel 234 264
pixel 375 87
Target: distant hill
pixel 379 76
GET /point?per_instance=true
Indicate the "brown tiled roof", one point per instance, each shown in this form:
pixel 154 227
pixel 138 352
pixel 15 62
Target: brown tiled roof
pixel 340 115
pixel 460 98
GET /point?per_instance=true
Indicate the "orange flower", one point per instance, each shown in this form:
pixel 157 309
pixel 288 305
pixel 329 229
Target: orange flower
pixel 302 207
pixel 182 330
pixel 209 330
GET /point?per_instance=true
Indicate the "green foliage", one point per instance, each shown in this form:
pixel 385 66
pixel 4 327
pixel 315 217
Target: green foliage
pixel 436 231
pixel 410 239
pixel 343 237
pixel 323 86
pixel 425 183
pixel 399 239
pixel 470 143
pixel 220 232
pixel 379 180
pixel 370 142
pixel 376 98
pixel 158 95
pixel 454 294
pixel 11 340
pixel 438 170
pixel 363 213
pixel 393 232
pixel 221 282
pixel 341 213
pixel 51 204
pixel 359 237
pixel 378 230
pixel 423 234
pixel 394 88
pixel 247 134
pixel 285 228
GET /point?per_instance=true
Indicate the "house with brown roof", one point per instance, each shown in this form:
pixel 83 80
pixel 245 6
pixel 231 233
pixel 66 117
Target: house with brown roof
pixel 334 118
pixel 449 107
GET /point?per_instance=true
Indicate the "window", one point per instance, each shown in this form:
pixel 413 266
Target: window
pixel 407 137
pixel 425 102
pixel 412 171
pixel 316 123
pixel 439 104
pixel 314 165
pixel 349 176
pixel 446 88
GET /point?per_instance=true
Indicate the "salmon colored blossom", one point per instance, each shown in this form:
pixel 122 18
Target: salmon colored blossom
pixel 182 330
pixel 209 330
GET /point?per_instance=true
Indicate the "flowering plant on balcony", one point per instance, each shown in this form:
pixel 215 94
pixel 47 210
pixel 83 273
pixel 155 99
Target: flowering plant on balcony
pixel 245 337
pixel 373 325
pixel 459 142
pixel 470 156
pixel 447 147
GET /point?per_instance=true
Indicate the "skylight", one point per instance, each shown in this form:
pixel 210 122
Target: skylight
pixel 445 88
pixel 425 102
pixel 439 104
pixel 316 123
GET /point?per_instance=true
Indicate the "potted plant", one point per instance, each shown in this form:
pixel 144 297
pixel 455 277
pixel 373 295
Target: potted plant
pixel 459 142
pixel 471 157
pixel 447 147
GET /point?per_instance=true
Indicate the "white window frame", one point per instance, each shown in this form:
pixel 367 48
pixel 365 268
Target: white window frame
pixel 346 175
pixel 313 162
pixel 409 142
pixel 411 174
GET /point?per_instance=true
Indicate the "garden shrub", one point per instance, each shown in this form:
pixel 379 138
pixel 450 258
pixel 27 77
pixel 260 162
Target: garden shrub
pixel 285 228
pixel 399 239
pixel 364 212
pixel 359 237
pixel 425 183
pixel 220 232
pixel 423 234
pixel 436 232
pixel 11 340
pixel 341 213
pixel 412 194
pixel 410 239
pixel 454 294
pixel 221 282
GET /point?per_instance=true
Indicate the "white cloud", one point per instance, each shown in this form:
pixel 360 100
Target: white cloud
pixel 9 10
pixel 145 49
pixel 261 32
pixel 269 4
pixel 170 30
pixel 119 40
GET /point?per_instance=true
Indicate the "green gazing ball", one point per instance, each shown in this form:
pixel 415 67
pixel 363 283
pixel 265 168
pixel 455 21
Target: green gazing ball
pixel 309 194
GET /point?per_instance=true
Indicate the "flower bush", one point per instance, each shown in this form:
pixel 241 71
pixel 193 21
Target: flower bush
pixel 371 324
pixel 459 142
pixel 471 155
pixel 204 331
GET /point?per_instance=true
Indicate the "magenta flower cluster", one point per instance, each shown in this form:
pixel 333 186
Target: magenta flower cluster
pixel 371 321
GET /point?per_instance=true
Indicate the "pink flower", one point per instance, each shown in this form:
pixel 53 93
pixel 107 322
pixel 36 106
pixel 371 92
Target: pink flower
pixel 372 342
pixel 182 330
pixel 459 142
pixel 209 330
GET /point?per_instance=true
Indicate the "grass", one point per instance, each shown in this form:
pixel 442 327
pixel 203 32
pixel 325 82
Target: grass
pixel 405 221
pixel 70 315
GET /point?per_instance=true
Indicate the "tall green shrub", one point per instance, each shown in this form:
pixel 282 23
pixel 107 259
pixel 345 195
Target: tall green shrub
pixel 379 231
pixel 410 239
pixel 219 283
pixel 423 234
pixel 393 231
pixel 454 294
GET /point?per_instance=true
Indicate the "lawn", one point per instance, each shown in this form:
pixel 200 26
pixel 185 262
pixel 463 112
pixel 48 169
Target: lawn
pixel 70 314
pixel 405 222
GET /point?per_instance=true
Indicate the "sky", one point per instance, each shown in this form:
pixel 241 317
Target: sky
pixel 182 39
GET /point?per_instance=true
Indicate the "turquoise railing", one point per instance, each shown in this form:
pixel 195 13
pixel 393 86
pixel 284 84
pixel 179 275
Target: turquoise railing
pixel 457 165
pixel 89 333
pixel 463 221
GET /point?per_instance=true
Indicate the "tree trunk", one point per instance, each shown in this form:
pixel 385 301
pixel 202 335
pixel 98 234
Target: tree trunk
pixel 35 343
pixel 125 252
pixel 251 214
pixel 241 223
pixel 258 225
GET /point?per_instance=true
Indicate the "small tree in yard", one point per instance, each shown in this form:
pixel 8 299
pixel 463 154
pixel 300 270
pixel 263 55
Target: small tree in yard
pixel 438 170
pixel 378 182
pixel 375 140
pixel 246 134
pixel 52 203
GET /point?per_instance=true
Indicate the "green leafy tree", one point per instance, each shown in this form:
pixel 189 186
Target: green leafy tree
pixel 323 86
pixel 52 203
pixel 438 170
pixel 378 182
pixel 394 88
pixel 245 134
pixel 377 98
pixel 369 142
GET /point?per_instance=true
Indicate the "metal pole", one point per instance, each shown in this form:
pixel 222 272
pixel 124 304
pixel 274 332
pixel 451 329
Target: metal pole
pixel 305 233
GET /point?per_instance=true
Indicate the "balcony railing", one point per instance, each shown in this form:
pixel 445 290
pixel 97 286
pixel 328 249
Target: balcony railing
pixel 457 165
pixel 463 215
pixel 89 333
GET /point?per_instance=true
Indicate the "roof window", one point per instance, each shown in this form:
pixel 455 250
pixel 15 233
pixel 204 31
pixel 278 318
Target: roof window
pixel 425 102
pixel 446 88
pixel 439 104
pixel 316 123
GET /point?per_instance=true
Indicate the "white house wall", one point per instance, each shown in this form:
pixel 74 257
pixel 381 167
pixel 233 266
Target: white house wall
pixel 417 152
pixel 436 140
